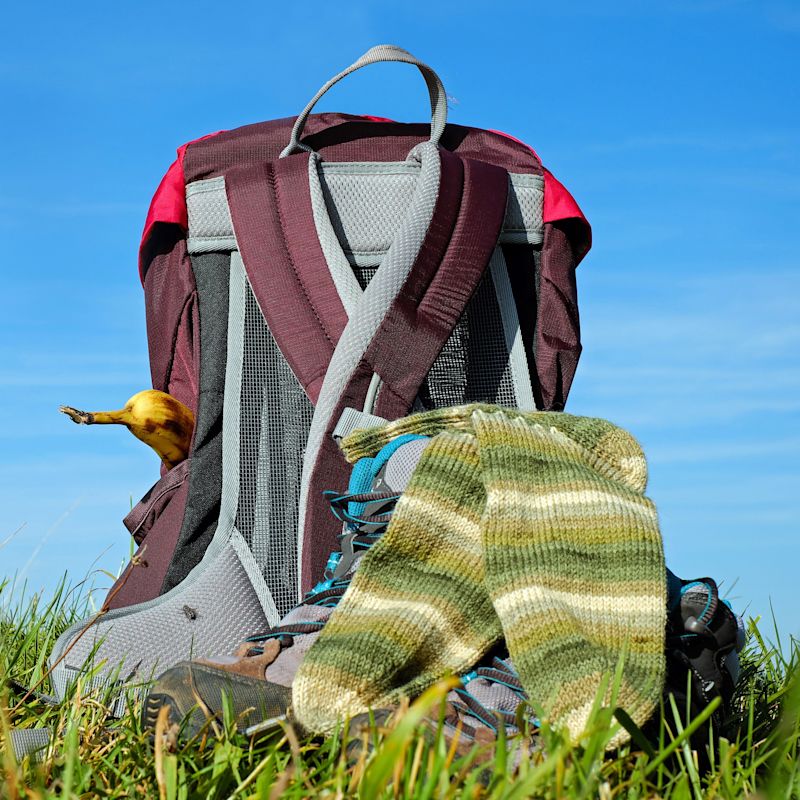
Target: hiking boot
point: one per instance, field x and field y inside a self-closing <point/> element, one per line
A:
<point x="704" y="638"/>
<point x="193" y="692"/>
<point x="489" y="698"/>
<point x="256" y="681"/>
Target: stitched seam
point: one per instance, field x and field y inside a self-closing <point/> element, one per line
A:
<point x="213" y="237"/>
<point x="203" y="186"/>
<point x="170" y="487"/>
<point x="276" y="192"/>
<point x="174" y="342"/>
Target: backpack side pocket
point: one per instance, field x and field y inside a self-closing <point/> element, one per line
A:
<point x="155" y="524"/>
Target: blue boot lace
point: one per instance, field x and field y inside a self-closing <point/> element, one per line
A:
<point x="365" y="516"/>
<point x="498" y="671"/>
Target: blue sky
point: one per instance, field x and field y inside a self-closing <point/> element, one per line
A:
<point x="675" y="125"/>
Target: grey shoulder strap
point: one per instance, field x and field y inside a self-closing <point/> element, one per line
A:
<point x="368" y="315"/>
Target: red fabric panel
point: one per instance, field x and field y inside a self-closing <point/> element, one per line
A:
<point x="463" y="232"/>
<point x="169" y="202"/>
<point x="274" y="225"/>
<point x="559" y="204"/>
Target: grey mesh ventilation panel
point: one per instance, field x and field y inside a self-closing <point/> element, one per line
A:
<point x="474" y="364"/>
<point x="274" y="423"/>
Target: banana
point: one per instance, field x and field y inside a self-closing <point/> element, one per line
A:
<point x="158" y="419"/>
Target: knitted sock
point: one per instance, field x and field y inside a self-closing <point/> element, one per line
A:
<point x="573" y="563"/>
<point x="536" y="518"/>
<point x="416" y="608"/>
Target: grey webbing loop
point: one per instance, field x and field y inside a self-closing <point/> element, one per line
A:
<point x="381" y="52"/>
<point x="352" y="419"/>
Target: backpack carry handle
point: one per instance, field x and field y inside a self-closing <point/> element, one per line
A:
<point x="381" y="52"/>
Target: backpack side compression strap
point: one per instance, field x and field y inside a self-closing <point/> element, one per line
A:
<point x="451" y="261"/>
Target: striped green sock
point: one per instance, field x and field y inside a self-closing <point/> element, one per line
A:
<point x="529" y="526"/>
<point x="416" y="608"/>
<point x="574" y="564"/>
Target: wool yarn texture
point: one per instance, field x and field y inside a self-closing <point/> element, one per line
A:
<point x="531" y="527"/>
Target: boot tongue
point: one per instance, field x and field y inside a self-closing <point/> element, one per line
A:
<point x="396" y="471"/>
<point x="385" y="475"/>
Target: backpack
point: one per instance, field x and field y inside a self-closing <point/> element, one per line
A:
<point x="302" y="277"/>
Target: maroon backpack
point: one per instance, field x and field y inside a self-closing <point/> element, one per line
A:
<point x="303" y="277"/>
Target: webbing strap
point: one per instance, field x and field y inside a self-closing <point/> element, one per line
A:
<point x="454" y="254"/>
<point x="352" y="419"/>
<point x="274" y="226"/>
<point x="428" y="219"/>
<point x="424" y="314"/>
<point x="381" y="52"/>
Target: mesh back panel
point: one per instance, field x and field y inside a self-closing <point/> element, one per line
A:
<point x="275" y="418"/>
<point x="473" y="365"/>
<point x="366" y="214"/>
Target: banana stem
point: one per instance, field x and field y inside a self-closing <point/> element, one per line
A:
<point x="95" y="417"/>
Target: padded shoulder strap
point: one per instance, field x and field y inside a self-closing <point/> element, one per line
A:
<point x="274" y="226"/>
<point x="423" y="315"/>
<point x="406" y="314"/>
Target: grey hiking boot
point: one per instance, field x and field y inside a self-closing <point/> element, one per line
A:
<point x="489" y="698"/>
<point x="256" y="681"/>
<point x="704" y="637"/>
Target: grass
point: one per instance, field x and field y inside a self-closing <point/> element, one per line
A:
<point x="94" y="755"/>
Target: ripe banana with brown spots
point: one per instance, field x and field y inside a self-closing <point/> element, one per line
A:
<point x="158" y="419"/>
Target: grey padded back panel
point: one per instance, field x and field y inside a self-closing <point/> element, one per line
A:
<point x="207" y="616"/>
<point x="366" y="203"/>
<point x="210" y="223"/>
<point x="366" y="213"/>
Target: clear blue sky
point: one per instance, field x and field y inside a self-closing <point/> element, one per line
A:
<point x="675" y="125"/>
